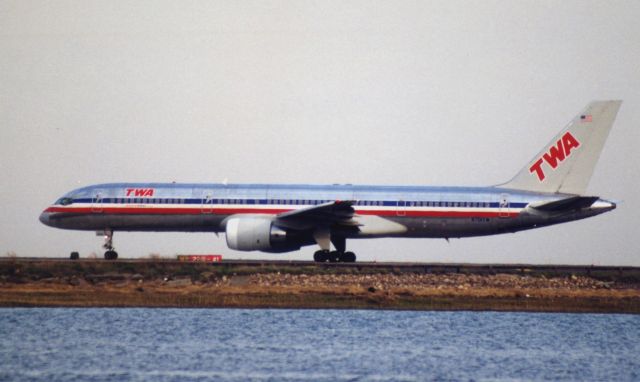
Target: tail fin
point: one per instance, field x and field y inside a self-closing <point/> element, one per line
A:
<point x="566" y="164"/>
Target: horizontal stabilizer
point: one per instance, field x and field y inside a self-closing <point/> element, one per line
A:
<point x="568" y="204"/>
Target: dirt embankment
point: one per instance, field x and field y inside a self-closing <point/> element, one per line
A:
<point x="157" y="284"/>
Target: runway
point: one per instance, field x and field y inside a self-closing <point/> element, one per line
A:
<point x="304" y="284"/>
<point x="374" y="267"/>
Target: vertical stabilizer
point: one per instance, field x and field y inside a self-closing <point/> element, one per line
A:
<point x="566" y="164"/>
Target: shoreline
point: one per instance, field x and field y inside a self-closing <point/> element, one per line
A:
<point x="151" y="283"/>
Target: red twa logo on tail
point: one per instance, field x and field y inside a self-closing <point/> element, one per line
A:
<point x="556" y="154"/>
<point x="140" y="192"/>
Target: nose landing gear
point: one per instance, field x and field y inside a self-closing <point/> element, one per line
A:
<point x="110" y="254"/>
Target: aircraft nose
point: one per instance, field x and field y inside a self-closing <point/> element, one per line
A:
<point x="44" y="218"/>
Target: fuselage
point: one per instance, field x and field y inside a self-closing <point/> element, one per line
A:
<point x="405" y="211"/>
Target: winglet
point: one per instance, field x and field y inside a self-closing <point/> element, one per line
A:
<point x="566" y="164"/>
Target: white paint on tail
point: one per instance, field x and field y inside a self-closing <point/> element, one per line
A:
<point x="566" y="164"/>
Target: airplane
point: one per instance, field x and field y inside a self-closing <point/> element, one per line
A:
<point x="278" y="218"/>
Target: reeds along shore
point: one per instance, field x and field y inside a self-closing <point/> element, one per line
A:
<point x="171" y="284"/>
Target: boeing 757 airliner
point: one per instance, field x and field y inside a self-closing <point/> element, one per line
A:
<point x="280" y="218"/>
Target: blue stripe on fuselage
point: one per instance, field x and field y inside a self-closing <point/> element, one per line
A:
<point x="302" y="202"/>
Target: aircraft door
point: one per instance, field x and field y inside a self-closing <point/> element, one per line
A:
<point x="401" y="210"/>
<point x="97" y="205"/>
<point x="207" y="202"/>
<point x="503" y="206"/>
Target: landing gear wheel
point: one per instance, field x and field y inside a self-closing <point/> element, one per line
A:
<point x="335" y="257"/>
<point x="111" y="255"/>
<point x="348" y="257"/>
<point x="321" y="256"/>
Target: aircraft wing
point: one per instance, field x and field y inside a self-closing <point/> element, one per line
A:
<point x="329" y="214"/>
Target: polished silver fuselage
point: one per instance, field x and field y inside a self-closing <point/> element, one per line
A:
<point x="381" y="211"/>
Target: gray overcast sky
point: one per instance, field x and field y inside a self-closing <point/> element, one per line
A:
<point x="392" y="92"/>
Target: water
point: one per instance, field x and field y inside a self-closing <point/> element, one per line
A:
<point x="316" y="345"/>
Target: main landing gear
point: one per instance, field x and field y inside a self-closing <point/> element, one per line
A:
<point x="110" y="254"/>
<point x="324" y="256"/>
<point x="324" y="239"/>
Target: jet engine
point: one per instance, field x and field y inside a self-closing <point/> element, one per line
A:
<point x="256" y="233"/>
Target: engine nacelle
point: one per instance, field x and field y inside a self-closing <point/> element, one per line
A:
<point x="254" y="234"/>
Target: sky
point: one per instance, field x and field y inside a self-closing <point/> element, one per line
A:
<point x="455" y="93"/>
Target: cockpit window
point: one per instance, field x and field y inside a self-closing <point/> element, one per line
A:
<point x="64" y="201"/>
